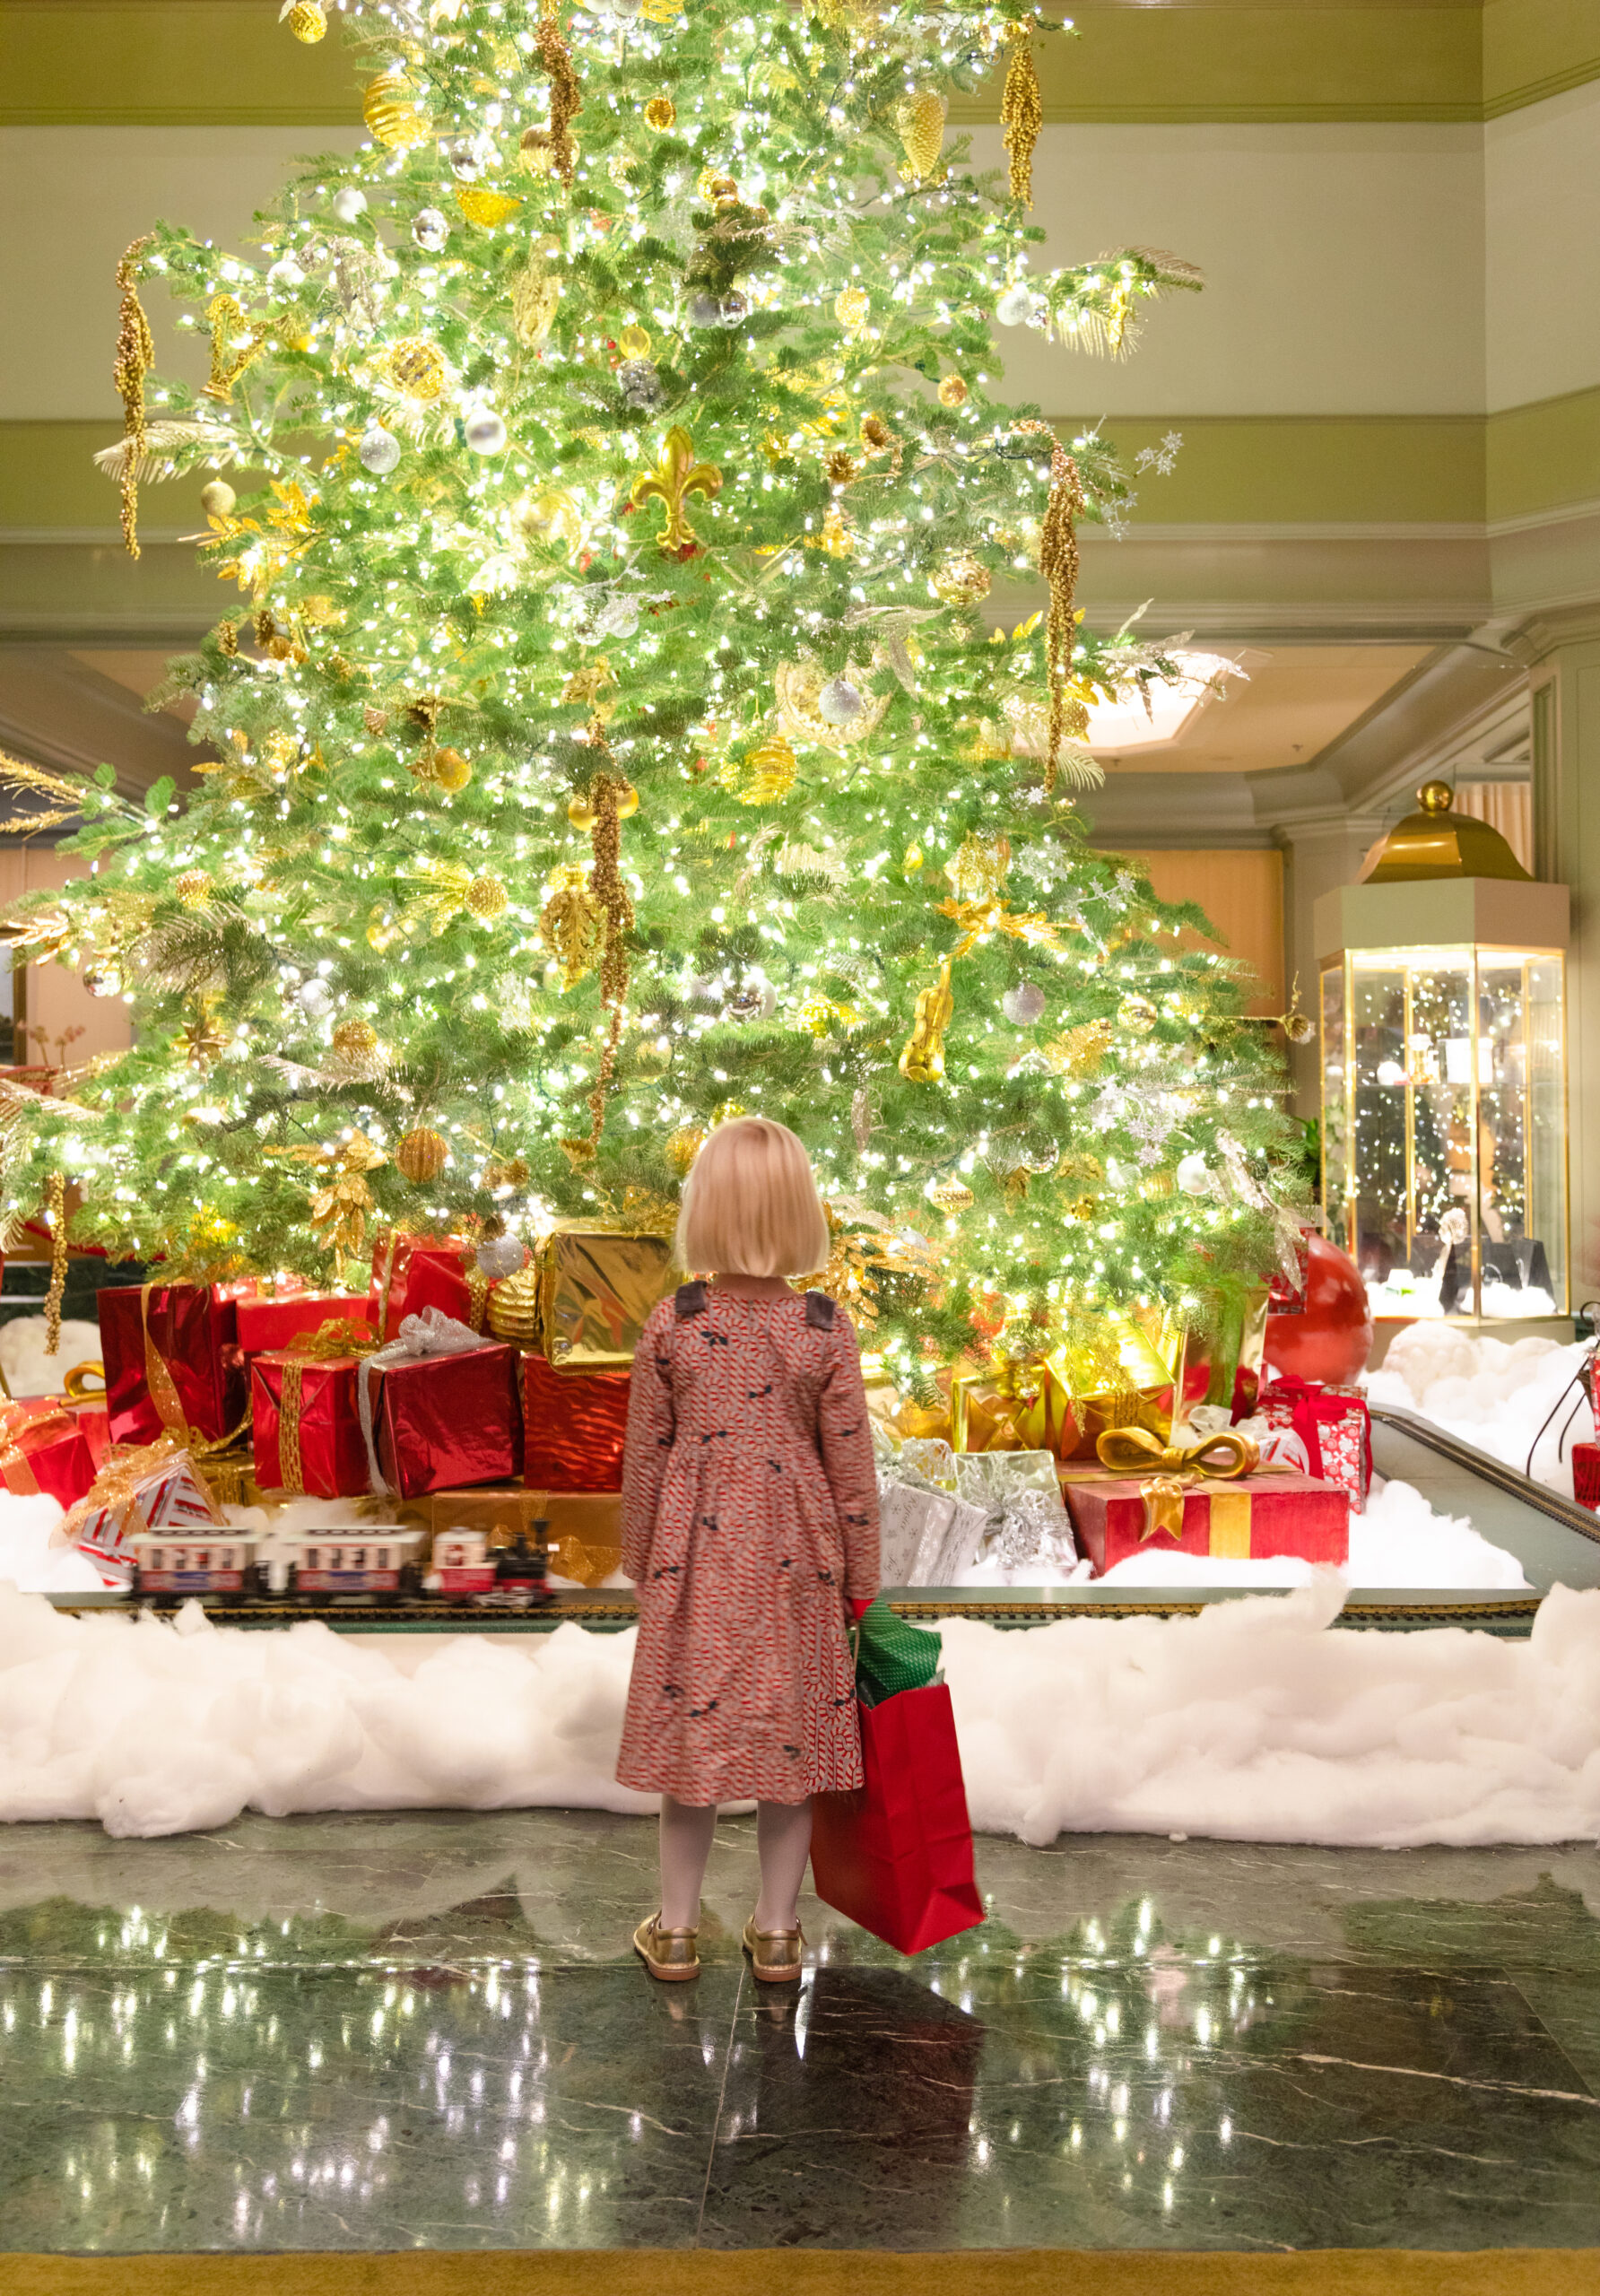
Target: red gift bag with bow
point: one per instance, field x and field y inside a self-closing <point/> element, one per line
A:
<point x="895" y="1856"/>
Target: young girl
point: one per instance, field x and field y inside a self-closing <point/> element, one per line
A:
<point x="750" y="1526"/>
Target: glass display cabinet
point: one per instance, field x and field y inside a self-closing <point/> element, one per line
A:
<point x="1444" y="1083"/>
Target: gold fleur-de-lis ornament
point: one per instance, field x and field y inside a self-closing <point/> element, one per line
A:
<point x="677" y="476"/>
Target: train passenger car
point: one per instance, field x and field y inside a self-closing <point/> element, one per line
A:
<point x="214" y="1560"/>
<point x="461" y="1563"/>
<point x="366" y="1559"/>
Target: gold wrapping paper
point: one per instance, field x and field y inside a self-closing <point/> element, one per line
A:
<point x="596" y="1289"/>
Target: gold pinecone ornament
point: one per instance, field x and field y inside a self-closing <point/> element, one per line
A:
<point x="919" y="123"/>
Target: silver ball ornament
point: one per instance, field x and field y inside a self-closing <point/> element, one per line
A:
<point x="350" y="205"/>
<point x="430" y="229"/>
<point x="485" y="432"/>
<point x="1193" y="1176"/>
<point x="641" y="387"/>
<point x="379" y="450"/>
<point x="839" y="703"/>
<point x="1015" y="307"/>
<point x="500" y="1257"/>
<point x="1025" y="1004"/>
<point x="466" y="157"/>
<point x="314" y="996"/>
<point x="285" y="273"/>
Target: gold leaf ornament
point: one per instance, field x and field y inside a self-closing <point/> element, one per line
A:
<point x="342" y="1200"/>
<point x="570" y="924"/>
<point x="677" y="476"/>
<point x="535" y="299"/>
<point x="922" y="1056"/>
<point x="485" y="207"/>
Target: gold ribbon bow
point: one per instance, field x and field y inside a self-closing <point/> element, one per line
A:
<point x="1171" y="1469"/>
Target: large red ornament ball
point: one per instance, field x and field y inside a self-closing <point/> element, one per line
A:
<point x="1329" y="1338"/>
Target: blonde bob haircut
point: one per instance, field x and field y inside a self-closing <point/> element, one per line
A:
<point x="751" y="1205"/>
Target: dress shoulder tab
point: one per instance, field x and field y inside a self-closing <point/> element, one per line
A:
<point x="819" y="1311"/>
<point x="690" y="1300"/>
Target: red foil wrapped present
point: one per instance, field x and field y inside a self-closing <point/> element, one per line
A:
<point x="1194" y="1501"/>
<point x="46" y="1451"/>
<point x="442" y="1421"/>
<point x="269" y="1327"/>
<point x="1335" y="1427"/>
<point x="574" y="1423"/>
<point x="306" y="1425"/>
<point x="410" y="1273"/>
<point x="1586" y="1476"/>
<point x="173" y="1361"/>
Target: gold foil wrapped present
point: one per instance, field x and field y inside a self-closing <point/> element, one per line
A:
<point x="596" y="1289"/>
<point x="1115" y="1375"/>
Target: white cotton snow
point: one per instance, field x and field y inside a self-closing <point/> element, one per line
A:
<point x="1259" y="1720"/>
<point x="28" y="1370"/>
<point x="1398" y="1542"/>
<point x="1495" y="1394"/>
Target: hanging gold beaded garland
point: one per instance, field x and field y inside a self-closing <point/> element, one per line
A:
<point x="136" y="355"/>
<point x="609" y="795"/>
<point x="1059" y="563"/>
<point x="57" y="1291"/>
<point x="1021" y="111"/>
<point x="566" y="96"/>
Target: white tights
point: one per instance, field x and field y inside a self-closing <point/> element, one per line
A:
<point x="782" y="1840"/>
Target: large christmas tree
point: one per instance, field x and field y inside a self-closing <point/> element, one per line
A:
<point x="607" y="731"/>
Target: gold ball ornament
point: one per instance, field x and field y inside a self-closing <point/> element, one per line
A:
<point x="451" y="770"/>
<point x="217" y="498"/>
<point x="421" y="1156"/>
<point x="682" y="1146"/>
<point x="634" y="342"/>
<point x="852" y="307"/>
<point x="1136" y="1016"/>
<point x="661" y="113"/>
<point x="307" y="20"/>
<point x="963" y="580"/>
<point x="580" y="812"/>
<point x="512" y="1312"/>
<point x="951" y="1197"/>
<point x="418" y="368"/>
<point x="355" y="1040"/>
<point x="487" y="899"/>
<point x="392" y="111"/>
<point x="193" y="889"/>
<point x="952" y="391"/>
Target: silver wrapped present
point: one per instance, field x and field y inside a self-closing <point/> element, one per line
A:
<point x="1025" y="1517"/>
<point x="928" y="1533"/>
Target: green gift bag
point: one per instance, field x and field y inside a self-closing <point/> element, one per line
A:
<point x="892" y="1656"/>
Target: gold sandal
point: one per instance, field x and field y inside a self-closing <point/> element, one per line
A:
<point x="774" y="1953"/>
<point x="669" y="1955"/>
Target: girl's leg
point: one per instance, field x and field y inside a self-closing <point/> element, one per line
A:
<point x="686" y="1831"/>
<point x="783" y="1838"/>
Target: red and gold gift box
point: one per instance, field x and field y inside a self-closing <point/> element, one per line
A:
<point x="442" y="1420"/>
<point x="412" y="1273"/>
<point x="575" y="1424"/>
<point x="46" y="1451"/>
<point x="1241" y="1519"/>
<point x="173" y="1361"/>
<point x="306" y="1425"/>
<point x="272" y="1326"/>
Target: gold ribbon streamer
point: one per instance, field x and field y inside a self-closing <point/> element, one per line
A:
<point x="57" y="1291"/>
<point x="115" y="1487"/>
<point x="338" y="1336"/>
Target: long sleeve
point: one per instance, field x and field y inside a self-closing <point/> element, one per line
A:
<point x="844" y="1437"/>
<point x="652" y="1424"/>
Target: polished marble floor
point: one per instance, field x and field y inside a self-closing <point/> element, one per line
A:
<point x="425" y="2029"/>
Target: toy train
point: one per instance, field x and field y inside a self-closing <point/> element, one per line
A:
<point x="375" y="1562"/>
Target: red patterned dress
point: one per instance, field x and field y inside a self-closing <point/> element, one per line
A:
<point x="749" y="1512"/>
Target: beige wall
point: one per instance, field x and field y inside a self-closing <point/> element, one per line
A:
<point x="1242" y="894"/>
<point x="57" y="999"/>
<point x="1543" y="249"/>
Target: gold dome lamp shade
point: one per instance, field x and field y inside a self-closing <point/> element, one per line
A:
<point x="1435" y="841"/>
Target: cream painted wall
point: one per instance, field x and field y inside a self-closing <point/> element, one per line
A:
<point x="1344" y="264"/>
<point x="1343" y="267"/>
<point x="1542" y="183"/>
<point x="57" y="999"/>
<point x="86" y="192"/>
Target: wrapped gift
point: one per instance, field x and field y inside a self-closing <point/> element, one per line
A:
<point x="173" y="1362"/>
<point x="46" y="1451"/>
<point x="1106" y="1375"/>
<point x="156" y="1487"/>
<point x="1586" y="1476"/>
<point x="1209" y="1499"/>
<point x="596" y="1289"/>
<point x="574" y="1423"/>
<point x="272" y="1325"/>
<point x="439" y="1408"/>
<point x="1018" y="1494"/>
<point x="411" y="1273"/>
<point x="305" y="1423"/>
<point x="1334" y="1426"/>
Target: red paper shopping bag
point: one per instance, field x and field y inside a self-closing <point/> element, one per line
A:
<point x="896" y="1855"/>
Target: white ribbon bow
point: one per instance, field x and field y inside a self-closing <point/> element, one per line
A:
<point x="432" y="1332"/>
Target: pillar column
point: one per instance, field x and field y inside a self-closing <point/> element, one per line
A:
<point x="1562" y="653"/>
<point x="1320" y="853"/>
